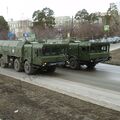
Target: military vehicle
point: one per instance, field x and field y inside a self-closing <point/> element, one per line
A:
<point x="30" y="56"/>
<point x="86" y="53"/>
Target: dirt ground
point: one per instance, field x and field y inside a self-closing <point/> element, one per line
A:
<point x="23" y="101"/>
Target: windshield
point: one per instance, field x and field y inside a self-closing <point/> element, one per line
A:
<point x="103" y="48"/>
<point x="52" y="51"/>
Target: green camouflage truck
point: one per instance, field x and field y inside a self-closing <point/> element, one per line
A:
<point x="86" y="53"/>
<point x="30" y="56"/>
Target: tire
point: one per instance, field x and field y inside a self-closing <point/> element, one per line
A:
<point x="74" y="64"/>
<point x="28" y="68"/>
<point x="65" y="65"/>
<point x="2" y="63"/>
<point x="17" y="65"/>
<point x="51" y="69"/>
<point x="91" y="66"/>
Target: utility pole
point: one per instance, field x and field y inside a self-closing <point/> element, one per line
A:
<point x="72" y="28"/>
<point x="7" y="13"/>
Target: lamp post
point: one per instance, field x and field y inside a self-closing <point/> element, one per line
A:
<point x="107" y="24"/>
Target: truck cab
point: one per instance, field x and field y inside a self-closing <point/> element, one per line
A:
<point x="31" y="56"/>
<point x="44" y="56"/>
<point x="87" y="53"/>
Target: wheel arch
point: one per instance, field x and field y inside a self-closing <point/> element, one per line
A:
<point x="73" y="57"/>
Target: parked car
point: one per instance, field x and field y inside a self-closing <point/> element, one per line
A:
<point x="116" y="39"/>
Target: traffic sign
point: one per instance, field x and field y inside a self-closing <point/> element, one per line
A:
<point x="10" y="35"/>
<point x="106" y="27"/>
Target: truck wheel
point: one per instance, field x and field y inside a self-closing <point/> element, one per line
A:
<point x="51" y="69"/>
<point x="17" y="65"/>
<point x="91" y="65"/>
<point x="65" y="65"/>
<point x="28" y="68"/>
<point x="74" y="64"/>
<point x="2" y="63"/>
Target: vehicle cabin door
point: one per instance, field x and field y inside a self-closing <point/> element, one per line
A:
<point x="28" y="52"/>
<point x="73" y="50"/>
<point x="37" y="54"/>
<point x="83" y="52"/>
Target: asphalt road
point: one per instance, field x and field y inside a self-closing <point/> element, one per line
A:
<point x="103" y="76"/>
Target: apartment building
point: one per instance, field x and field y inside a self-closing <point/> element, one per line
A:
<point x="20" y="27"/>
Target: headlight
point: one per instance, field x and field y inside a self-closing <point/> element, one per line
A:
<point x="44" y="64"/>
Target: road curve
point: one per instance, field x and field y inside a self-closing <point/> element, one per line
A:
<point x="114" y="46"/>
<point x="103" y="76"/>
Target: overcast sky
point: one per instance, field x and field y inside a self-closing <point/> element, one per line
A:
<point x="23" y="9"/>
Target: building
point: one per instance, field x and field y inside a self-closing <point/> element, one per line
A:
<point x="62" y="20"/>
<point x="19" y="27"/>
